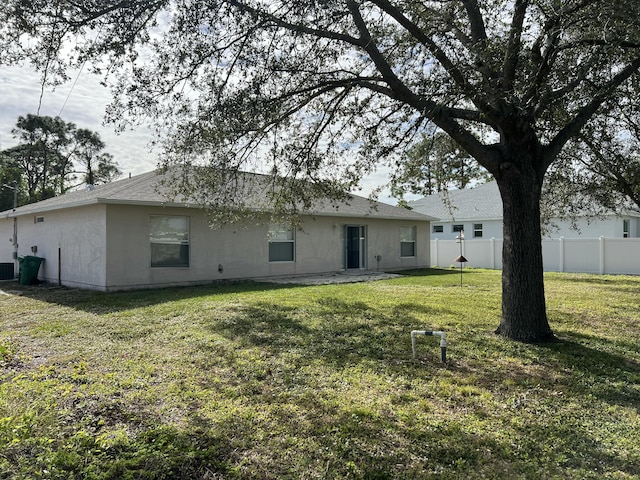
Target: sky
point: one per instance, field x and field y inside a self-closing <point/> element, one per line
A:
<point x="85" y="105"/>
<point x="83" y="101"/>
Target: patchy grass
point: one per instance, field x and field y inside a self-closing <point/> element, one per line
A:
<point x="247" y="380"/>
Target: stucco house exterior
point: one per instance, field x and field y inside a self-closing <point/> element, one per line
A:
<point x="127" y="235"/>
<point x="478" y="211"/>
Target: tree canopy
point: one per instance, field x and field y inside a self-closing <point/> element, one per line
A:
<point x="53" y="156"/>
<point x="600" y="170"/>
<point x="436" y="163"/>
<point x="332" y="89"/>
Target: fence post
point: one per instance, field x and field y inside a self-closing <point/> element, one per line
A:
<point x="561" y="260"/>
<point x="435" y="251"/>
<point x="601" y="255"/>
<point x="492" y="245"/>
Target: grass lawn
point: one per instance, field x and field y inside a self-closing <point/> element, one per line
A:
<point x="249" y="380"/>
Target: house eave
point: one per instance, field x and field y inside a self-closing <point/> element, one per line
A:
<point x="149" y="203"/>
<point x="167" y="204"/>
<point x="373" y="216"/>
<point x="92" y="201"/>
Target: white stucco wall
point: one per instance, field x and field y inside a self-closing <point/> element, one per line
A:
<point x="610" y="227"/>
<point x="72" y="238"/>
<point x="490" y="229"/>
<point x="242" y="251"/>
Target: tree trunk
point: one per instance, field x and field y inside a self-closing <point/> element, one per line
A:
<point x="524" y="316"/>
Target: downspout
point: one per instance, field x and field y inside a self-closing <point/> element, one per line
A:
<point x="15" y="244"/>
<point x="434" y="333"/>
<point x="15" y="229"/>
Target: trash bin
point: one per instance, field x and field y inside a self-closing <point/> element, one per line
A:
<point x="29" y="267"/>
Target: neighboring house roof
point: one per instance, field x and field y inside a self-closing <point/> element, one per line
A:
<point x="479" y="203"/>
<point x="145" y="190"/>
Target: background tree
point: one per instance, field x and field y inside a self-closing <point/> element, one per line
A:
<point x="51" y="154"/>
<point x="9" y="173"/>
<point x="310" y="85"/>
<point x="435" y="164"/>
<point x="39" y="156"/>
<point x="93" y="166"/>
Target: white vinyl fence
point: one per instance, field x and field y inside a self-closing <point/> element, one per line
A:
<point x="579" y="255"/>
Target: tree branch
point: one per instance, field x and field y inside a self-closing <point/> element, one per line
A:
<point x="514" y="44"/>
<point x="586" y="112"/>
<point x="296" y="27"/>
<point x="419" y="35"/>
<point x="478" y="31"/>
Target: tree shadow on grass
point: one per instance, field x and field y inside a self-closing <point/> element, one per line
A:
<point x="261" y="324"/>
<point x="621" y="283"/>
<point x="96" y="302"/>
<point x="272" y="437"/>
<point x="339" y="332"/>
<point x="429" y="272"/>
<point x="610" y="377"/>
<point x="567" y="364"/>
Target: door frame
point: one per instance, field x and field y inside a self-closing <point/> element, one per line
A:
<point x="361" y="246"/>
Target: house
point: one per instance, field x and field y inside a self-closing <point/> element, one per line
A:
<point x="478" y="211"/>
<point x="128" y="235"/>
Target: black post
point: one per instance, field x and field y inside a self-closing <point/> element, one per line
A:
<point x="15" y="195"/>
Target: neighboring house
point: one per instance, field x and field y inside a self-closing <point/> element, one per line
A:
<point x="126" y="235"/>
<point x="478" y="211"/>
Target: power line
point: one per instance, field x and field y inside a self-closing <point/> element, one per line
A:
<point x="72" y="87"/>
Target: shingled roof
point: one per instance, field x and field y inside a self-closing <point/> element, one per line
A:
<point x="479" y="203"/>
<point x="146" y="189"/>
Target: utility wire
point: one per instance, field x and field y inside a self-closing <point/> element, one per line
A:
<point x="44" y="80"/>
<point x="72" y="87"/>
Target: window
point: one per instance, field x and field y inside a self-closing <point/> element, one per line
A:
<point x="438" y="229"/>
<point x="407" y="241"/>
<point x="169" y="238"/>
<point x="625" y="228"/>
<point x="282" y="244"/>
<point x="38" y="219"/>
<point x="477" y="230"/>
<point x="457" y="228"/>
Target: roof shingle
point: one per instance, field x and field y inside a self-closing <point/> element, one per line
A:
<point x="479" y="203"/>
<point x="145" y="189"/>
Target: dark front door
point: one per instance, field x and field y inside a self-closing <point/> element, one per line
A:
<point x="355" y="246"/>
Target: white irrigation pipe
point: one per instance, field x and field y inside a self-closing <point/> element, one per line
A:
<point x="443" y="341"/>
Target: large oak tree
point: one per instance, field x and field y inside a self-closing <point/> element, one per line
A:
<point x="329" y="87"/>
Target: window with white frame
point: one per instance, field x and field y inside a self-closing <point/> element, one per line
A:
<point x="438" y="228"/>
<point x="169" y="239"/>
<point x="457" y="227"/>
<point x="625" y="228"/>
<point x="282" y="243"/>
<point x="477" y="230"/>
<point x="407" y="241"/>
